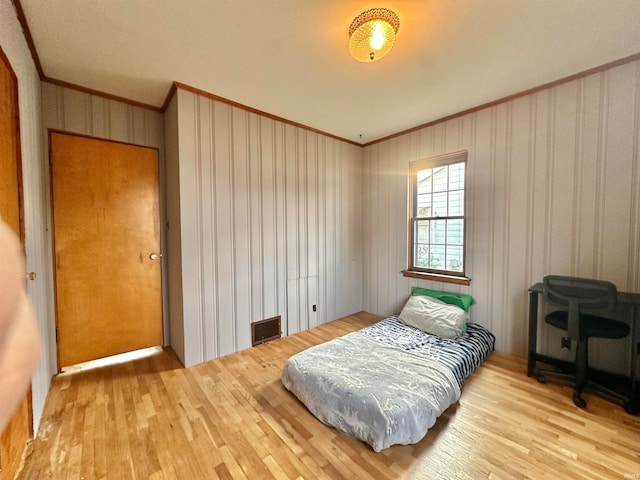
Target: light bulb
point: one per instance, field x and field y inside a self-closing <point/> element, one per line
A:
<point x="377" y="39"/>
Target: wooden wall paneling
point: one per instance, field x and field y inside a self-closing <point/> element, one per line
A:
<point x="617" y="207"/>
<point x="391" y="233"/>
<point x="332" y="162"/>
<point x="501" y="166"/>
<point x="342" y="202"/>
<point x="312" y="227"/>
<point x="138" y="125"/>
<point x="75" y="111"/>
<point x="312" y="299"/>
<point x="618" y="175"/>
<point x="542" y="179"/>
<point x="338" y="203"/>
<point x="206" y="240"/>
<point x="293" y="306"/>
<point x="324" y="146"/>
<point x="634" y="273"/>
<point x="120" y="119"/>
<point x="281" y="221"/>
<point x="255" y="217"/>
<point x="398" y="180"/>
<point x="353" y="302"/>
<point x="194" y="338"/>
<point x="482" y="213"/>
<point x="241" y="231"/>
<point x="311" y="201"/>
<point x="302" y="302"/>
<point x="302" y="230"/>
<point x="516" y="300"/>
<point x="468" y="143"/>
<point x="174" y="233"/>
<point x="345" y="202"/>
<point x="382" y="233"/>
<point x="589" y="140"/>
<point x="282" y="186"/>
<point x="368" y="222"/>
<point x="563" y="181"/>
<point x="224" y="328"/>
<point x="370" y="205"/>
<point x="99" y="112"/>
<point x="291" y="230"/>
<point x="268" y="214"/>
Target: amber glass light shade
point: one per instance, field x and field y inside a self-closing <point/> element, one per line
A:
<point x="372" y="34"/>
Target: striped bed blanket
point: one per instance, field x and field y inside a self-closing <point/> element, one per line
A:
<point x="462" y="355"/>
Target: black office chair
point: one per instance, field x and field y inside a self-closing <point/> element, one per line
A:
<point x="580" y="301"/>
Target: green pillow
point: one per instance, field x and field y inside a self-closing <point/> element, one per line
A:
<point x="462" y="300"/>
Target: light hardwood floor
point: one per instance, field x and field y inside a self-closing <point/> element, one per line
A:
<point x="231" y="418"/>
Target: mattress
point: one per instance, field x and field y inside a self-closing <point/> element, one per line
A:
<point x="387" y="383"/>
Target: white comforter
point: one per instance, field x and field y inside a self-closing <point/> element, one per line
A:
<point x="371" y="391"/>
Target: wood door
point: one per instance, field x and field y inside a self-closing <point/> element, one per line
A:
<point x="15" y="436"/>
<point x="107" y="247"/>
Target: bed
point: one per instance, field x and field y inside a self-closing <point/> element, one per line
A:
<point x="387" y="383"/>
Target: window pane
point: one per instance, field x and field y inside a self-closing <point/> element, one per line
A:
<point x="437" y="257"/>
<point x="438" y="231"/>
<point x="455" y="232"/>
<point x="422" y="231"/>
<point x="424" y="205"/>
<point x="439" y="205"/>
<point x="440" y="179"/>
<point x="422" y="255"/>
<point x="456" y="203"/>
<point x="454" y="258"/>
<point x="424" y="181"/>
<point x="456" y="176"/>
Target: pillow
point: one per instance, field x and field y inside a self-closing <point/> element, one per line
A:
<point x="462" y="300"/>
<point x="434" y="316"/>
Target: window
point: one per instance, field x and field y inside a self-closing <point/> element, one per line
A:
<point x="438" y="215"/>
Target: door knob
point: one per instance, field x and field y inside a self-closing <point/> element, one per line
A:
<point x="30" y="275"/>
<point x="155" y="256"/>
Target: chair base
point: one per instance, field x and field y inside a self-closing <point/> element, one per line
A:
<point x="592" y="387"/>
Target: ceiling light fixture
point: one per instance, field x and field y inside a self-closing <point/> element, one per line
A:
<point x="372" y="34"/>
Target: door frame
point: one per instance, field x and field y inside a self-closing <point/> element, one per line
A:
<point x="164" y="312"/>
<point x="21" y="218"/>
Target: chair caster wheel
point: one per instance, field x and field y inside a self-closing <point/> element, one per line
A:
<point x="541" y="378"/>
<point x="578" y="401"/>
<point x="632" y="408"/>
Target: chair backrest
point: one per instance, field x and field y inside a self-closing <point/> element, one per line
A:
<point x="579" y="295"/>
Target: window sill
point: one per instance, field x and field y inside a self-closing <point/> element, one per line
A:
<point x="437" y="277"/>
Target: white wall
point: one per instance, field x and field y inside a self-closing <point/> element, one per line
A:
<point x="270" y="222"/>
<point x="174" y="246"/>
<point x="35" y="198"/>
<point x="554" y="187"/>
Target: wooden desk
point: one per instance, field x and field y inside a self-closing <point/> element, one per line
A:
<point x="624" y="298"/>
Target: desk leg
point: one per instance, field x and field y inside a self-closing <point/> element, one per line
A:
<point x="635" y="321"/>
<point x="533" y="332"/>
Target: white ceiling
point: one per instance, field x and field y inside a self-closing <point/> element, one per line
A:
<point x="290" y="58"/>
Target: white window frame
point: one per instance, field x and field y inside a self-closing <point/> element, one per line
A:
<point x="414" y="168"/>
